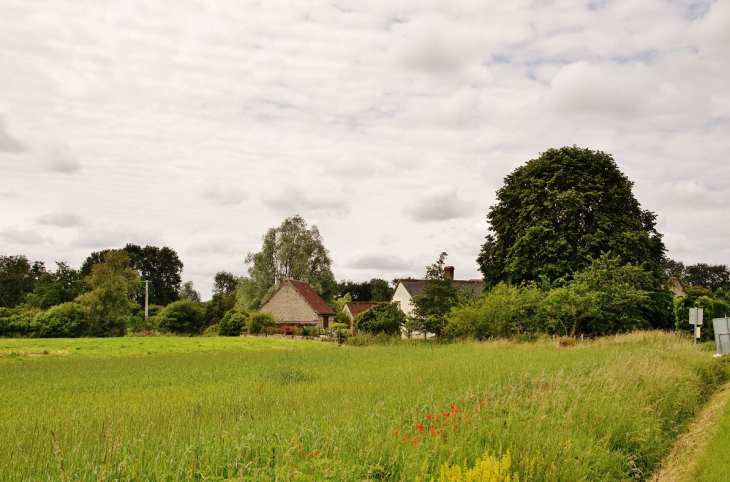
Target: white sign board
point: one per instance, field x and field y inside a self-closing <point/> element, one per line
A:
<point x="695" y="316"/>
<point x="722" y="334"/>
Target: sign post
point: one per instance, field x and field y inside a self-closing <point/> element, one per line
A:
<point x="695" y="319"/>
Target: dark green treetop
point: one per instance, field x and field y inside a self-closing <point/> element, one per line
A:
<point x="558" y="211"/>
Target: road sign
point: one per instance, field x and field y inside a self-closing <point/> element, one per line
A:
<point x="695" y="316"/>
<point x="722" y="334"/>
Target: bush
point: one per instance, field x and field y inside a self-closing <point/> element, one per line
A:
<point x="504" y="311"/>
<point x="182" y="317"/>
<point x="383" y="318"/>
<point x="66" y="320"/>
<point x="259" y="321"/>
<point x="212" y="330"/>
<point x="233" y="323"/>
<point x="16" y="322"/>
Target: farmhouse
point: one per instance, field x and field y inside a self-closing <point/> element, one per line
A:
<point x="406" y="289"/>
<point x="296" y="303"/>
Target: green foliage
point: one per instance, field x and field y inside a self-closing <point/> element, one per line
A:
<point x="66" y="320"/>
<point x="502" y="312"/>
<point x="17" y="322"/>
<point x="17" y="278"/>
<point x="374" y="290"/>
<point x="183" y="317"/>
<point x="622" y="292"/>
<point x="568" y="308"/>
<point x="259" y="321"/>
<point x="557" y="211"/>
<point x="233" y="323"/>
<point x="218" y="306"/>
<point x="681" y="314"/>
<point x="212" y="330"/>
<point x="292" y="250"/>
<point x="188" y="292"/>
<point x="384" y="318"/>
<point x="109" y="303"/>
<point x="711" y="276"/>
<point x="225" y="283"/>
<point x="54" y="288"/>
<point x="439" y="296"/>
<point x="160" y="266"/>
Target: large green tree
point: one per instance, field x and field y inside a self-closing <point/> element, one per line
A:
<point x="558" y="211"/>
<point x="110" y="303"/>
<point x="292" y="250"/>
<point x="18" y="277"/>
<point x="160" y="266"/>
<point x="56" y="287"/>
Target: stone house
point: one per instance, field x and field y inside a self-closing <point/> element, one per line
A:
<point x="296" y="303"/>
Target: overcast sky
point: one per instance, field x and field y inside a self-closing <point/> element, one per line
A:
<point x="389" y="124"/>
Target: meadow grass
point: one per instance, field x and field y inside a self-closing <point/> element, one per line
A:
<point x="714" y="463"/>
<point x="262" y="409"/>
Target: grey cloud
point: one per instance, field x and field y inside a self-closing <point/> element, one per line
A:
<point x="380" y="261"/>
<point x="225" y="196"/>
<point x="58" y="157"/>
<point x="25" y="237"/>
<point x="109" y="237"/>
<point x="8" y="143"/>
<point x="439" y="206"/>
<point x="296" y="200"/>
<point x="61" y="219"/>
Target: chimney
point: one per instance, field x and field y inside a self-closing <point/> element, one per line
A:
<point x="449" y="272"/>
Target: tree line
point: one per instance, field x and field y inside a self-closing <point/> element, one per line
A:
<point x="570" y="251"/>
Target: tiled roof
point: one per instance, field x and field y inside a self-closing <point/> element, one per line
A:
<point x="415" y="286"/>
<point x="357" y="307"/>
<point x="311" y="297"/>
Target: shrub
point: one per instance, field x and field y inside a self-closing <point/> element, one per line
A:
<point x="383" y="318"/>
<point x="504" y="311"/>
<point x="182" y="317"/>
<point x="212" y="330"/>
<point x="17" y="321"/>
<point x="259" y="321"/>
<point x="367" y="339"/>
<point x="66" y="320"/>
<point x="233" y="323"/>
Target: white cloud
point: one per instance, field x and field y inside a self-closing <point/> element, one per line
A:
<point x="8" y="143"/>
<point x="377" y="260"/>
<point x="225" y="196"/>
<point x="57" y="156"/>
<point x="60" y="219"/>
<point x="296" y="200"/>
<point x="343" y="113"/>
<point x="23" y="237"/>
<point x="439" y="206"/>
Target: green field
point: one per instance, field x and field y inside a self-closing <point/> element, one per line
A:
<point x="261" y="409"/>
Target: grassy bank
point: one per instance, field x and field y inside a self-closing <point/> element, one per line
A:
<point x="605" y="410"/>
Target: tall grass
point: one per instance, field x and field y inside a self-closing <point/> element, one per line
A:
<point x="605" y="410"/>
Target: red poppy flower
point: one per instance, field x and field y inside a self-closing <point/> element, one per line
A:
<point x="431" y="417"/>
<point x="396" y="432"/>
<point x="416" y="440"/>
<point x="419" y="426"/>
